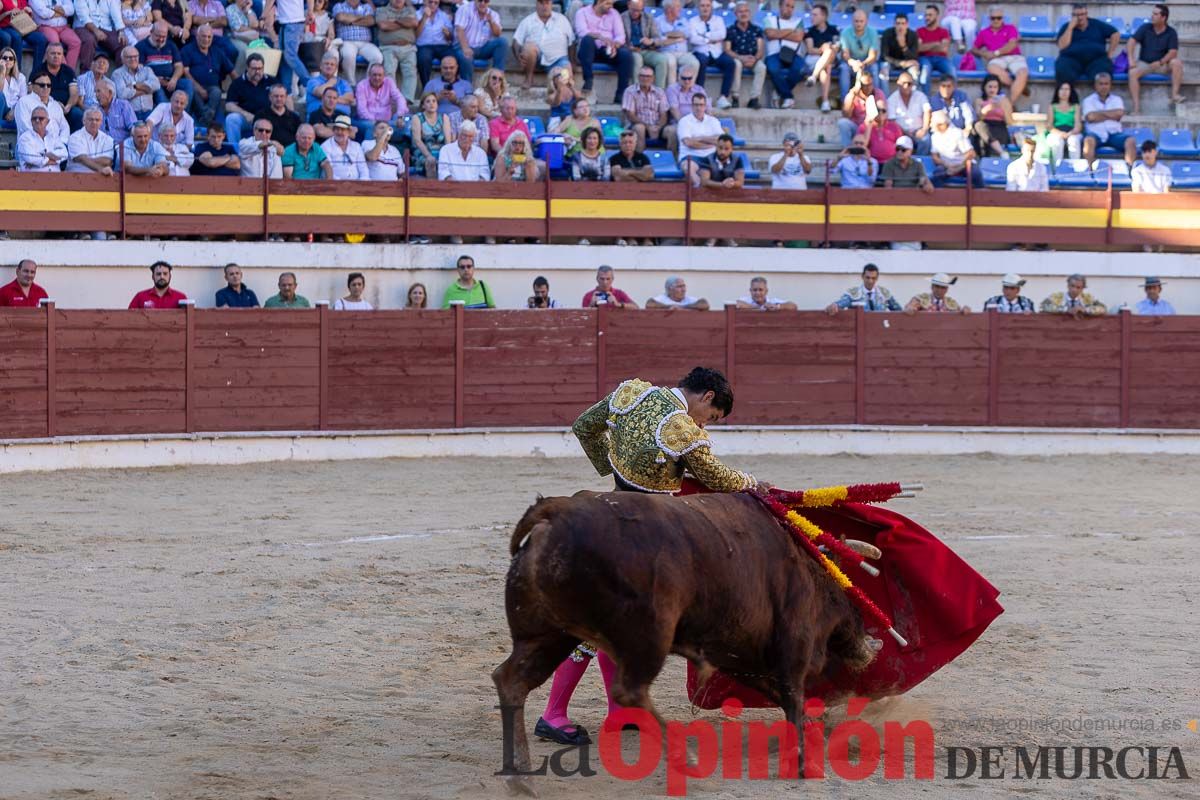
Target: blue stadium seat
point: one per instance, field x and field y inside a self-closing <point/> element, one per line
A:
<point x="1063" y="19"/>
<point x="899" y="6"/>
<point x="1032" y="26"/>
<point x="971" y="74"/>
<point x="1136" y="23"/>
<point x="1073" y="172"/>
<point x="1177" y="142"/>
<point x="881" y="22"/>
<point x="655" y="12"/>
<point x="727" y="16"/>
<point x="688" y="13"/>
<point x="1139" y="135"/>
<point x="1041" y="68"/>
<point x="1153" y="78"/>
<point x="1185" y="174"/>
<point x="842" y="19"/>
<point x="751" y="173"/>
<point x="607" y="124"/>
<point x="535" y="125"/>
<point x="1119" y="170"/>
<point x="1119" y="24"/>
<point x="730" y="126"/>
<point x="995" y="171"/>
<point x="761" y="16"/>
<point x="665" y="166"/>
<point x="929" y="165"/>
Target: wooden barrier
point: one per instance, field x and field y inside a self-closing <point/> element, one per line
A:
<point x="144" y="371"/>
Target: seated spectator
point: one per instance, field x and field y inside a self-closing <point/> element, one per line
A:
<point x="995" y="114"/>
<point x="429" y="133"/>
<point x="136" y="83"/>
<point x="882" y="135"/>
<point x="397" y="26"/>
<point x="235" y="294"/>
<point x="1064" y="124"/>
<point x="249" y="96"/>
<point x="178" y="17"/>
<point x="160" y="295"/>
<point x="206" y="66"/>
<point x="1153" y="305"/>
<point x="64" y="85"/>
<point x="937" y="300"/>
<point x="760" y="300"/>
<point x="378" y="99"/>
<point x="88" y="80"/>
<point x="789" y="167"/>
<point x="417" y="297"/>
<point x="960" y="21"/>
<point x="645" y="108"/>
<point x="303" y="161"/>
<point x="1026" y="173"/>
<point x="561" y="96"/>
<point x="630" y="163"/>
<point x="323" y="118"/>
<point x="142" y="155"/>
<point x="244" y="26"/>
<point x="901" y="48"/>
<point x="859" y="51"/>
<point x="384" y="162"/>
<point x="997" y="46"/>
<point x="902" y="171"/>
<point x="23" y="292"/>
<point x="40" y="149"/>
<point x="954" y="102"/>
<point x="212" y="13"/>
<point x="1102" y="114"/>
<point x="480" y="36"/>
<point x="326" y="78"/>
<point x="492" y="86"/>
<point x="91" y="150"/>
<point x="1074" y="301"/>
<point x="98" y="25"/>
<point x="605" y="294"/>
<point x="1010" y="301"/>
<point x="722" y="169"/>
<point x="161" y="55"/>
<point x="354" y="300"/>
<point x="504" y="125"/>
<point x="934" y="47"/>
<point x="39" y="97"/>
<point x="860" y="103"/>
<point x="698" y="134"/>
<point x="287" y="296"/>
<point x="643" y="39"/>
<point x="435" y="39"/>
<point x="1158" y="54"/>
<point x="909" y="108"/>
<point x="602" y="38"/>
<point x="179" y="156"/>
<point x="354" y="21"/>
<point x="679" y="104"/>
<point x="821" y="41"/>
<point x="119" y="116"/>
<point x="676" y="296"/>
<point x="13" y="85"/>
<point x="543" y="39"/>
<point x="672" y="43"/>
<point x="447" y="86"/>
<point x="462" y="160"/>
<point x="541" y="295"/>
<point x="1150" y="176"/>
<point x="591" y="162"/>
<point x="53" y="18"/>
<point x="784" y="33"/>
<point x="952" y="153"/>
<point x="869" y="295"/>
<point x="216" y="156"/>
<point x="572" y="127"/>
<point x="515" y="162"/>
<point x="345" y="155"/>
<point x="253" y="150"/>
<point x="283" y="120"/>
<point x="472" y="292"/>
<point x="1085" y="47"/>
<point x="855" y="166"/>
<point x="746" y="44"/>
<point x="174" y="114"/>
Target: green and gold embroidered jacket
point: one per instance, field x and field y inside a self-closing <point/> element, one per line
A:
<point x="643" y="433"/>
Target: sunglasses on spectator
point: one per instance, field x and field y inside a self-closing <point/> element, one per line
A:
<point x="999" y="17"/>
<point x="42" y="85"/>
<point x="6" y="58"/>
<point x="687" y="77"/>
<point x="39" y="119"/>
<point x="262" y="130"/>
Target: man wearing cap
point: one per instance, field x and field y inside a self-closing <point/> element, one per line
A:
<point x="1074" y="301"/>
<point x="345" y="155"/>
<point x="869" y="295"/>
<point x="1011" y="301"/>
<point x="937" y="298"/>
<point x="902" y="171"/>
<point x="1153" y="306"/>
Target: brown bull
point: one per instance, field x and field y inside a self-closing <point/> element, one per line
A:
<point x="711" y="577"/>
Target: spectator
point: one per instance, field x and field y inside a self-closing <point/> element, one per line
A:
<point x="746" y="44"/>
<point x="98" y="23"/>
<point x="449" y="88"/>
<point x="249" y="96"/>
<point x="1102" y="113"/>
<point x="327" y="77"/>
<point x="591" y="162"/>
<point x="212" y="13"/>
<point x="492" y="86"/>
<point x="1027" y="174"/>
<point x="1074" y="301"/>
<point x="934" y="47"/>
<point x="323" y="118"/>
<point x="142" y="155"/>
<point x="138" y="19"/>
<point x="679" y="103"/>
<point x="318" y="37"/>
<point x="901" y="48"/>
<point x="760" y="300"/>
<point x="291" y="16"/>
<point x="287" y="296"/>
<point x="161" y="295"/>
<point x="602" y="38"/>
<point x="353" y="301"/>
<point x="909" y="108"/>
<point x="91" y="150"/>
<point x="397" y="26"/>
<point x="995" y="114"/>
<point x="960" y="20"/>
<point x="13" y="85"/>
<point x="541" y="295"/>
<point x="353" y="21"/>
<point x="1158" y="55"/>
<point x="882" y="135"/>
<point x="179" y="156"/>
<point x="506" y="124"/>
<point x="676" y="296"/>
<point x="821" y="40"/>
<point x="789" y="167"/>
<point x="136" y="83"/>
<point x="174" y="114"/>
<point x="952" y="153"/>
<point x="162" y="57"/>
<point x="955" y="103"/>
<point x="722" y="169"/>
<point x="785" y="63"/>
<point x="53" y="18"/>
<point x="462" y="160"/>
<point x="119" y="116"/>
<point x="572" y="127"/>
<point x="235" y="294"/>
<point x="1151" y="176"/>
<point x="1085" y="47"/>
<point x="937" y="300"/>
<point x="23" y="292"/>
<point x="645" y="107"/>
<point x="40" y="149"/>
<point x="417" y="297"/>
<point x="64" y="86"/>
<point x="869" y="295"/>
<point x="1153" y="305"/>
<point x="384" y="162"/>
<point x="471" y="292"/>
<point x="429" y="132"/>
<point x="39" y="97"/>
<point x="855" y="166"/>
<point x="903" y="171"/>
<point x="435" y="39"/>
<point x="674" y="29"/>
<point x="859" y="51"/>
<point x="1010" y="301"/>
<point x="480" y="36"/>
<point x="515" y="162"/>
<point x="206" y="67"/>
<point x="996" y="46"/>
<point x="216" y="156"/>
<point x="345" y="155"/>
<point x="860" y="104"/>
<point x="302" y="161"/>
<point x="1064" y="124"/>
<point x="178" y="17"/>
<point x="605" y="294"/>
<point x="698" y="134"/>
<point x="630" y="163"/>
<point x="283" y="120"/>
<point x="543" y="39"/>
<point x="378" y="99"/>
<point x="643" y="40"/>
<point x="468" y="110"/>
<point x="254" y="149"/>
<point x="244" y="27"/>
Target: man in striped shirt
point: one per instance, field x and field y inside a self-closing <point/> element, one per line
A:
<point x="477" y="28"/>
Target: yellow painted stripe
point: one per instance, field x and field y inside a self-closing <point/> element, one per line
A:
<point x="587" y="208"/>
<point x="93" y="202"/>
<point x="897" y="215"/>
<point x="1040" y="217"/>
<point x="336" y="206"/>
<point x="477" y="208"/>
<point x="1167" y="218"/>
<point x="229" y="205"/>
<point x="758" y="212"/>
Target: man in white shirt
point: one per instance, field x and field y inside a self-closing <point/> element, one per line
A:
<point x="951" y="151"/>
<point x="39" y="97"/>
<point x="90" y="149"/>
<point x="707" y="37"/>
<point x="673" y="45"/>
<point x="542" y="40"/>
<point x="676" y="296"/>
<point x="785" y="31"/>
<point x="291" y="16"/>
<point x="384" y="162"/>
<point x="759" y="298"/>
<point x="345" y="155"/>
<point x="40" y="149"/>
<point x="1102" y="112"/>
<point x="175" y="114"/>
<point x="461" y="160"/>
<point x="908" y="107"/>
<point x="98" y="23"/>
<point x="1027" y="174"/>
<point x="253" y="149"/>
<point x="179" y="156"/>
<point x="789" y="166"/>
<point x="1149" y="175"/>
<point x="697" y="133"/>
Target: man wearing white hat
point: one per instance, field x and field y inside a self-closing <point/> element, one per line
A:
<point x="937" y="299"/>
<point x="1153" y="305"/>
<point x="1011" y="301"/>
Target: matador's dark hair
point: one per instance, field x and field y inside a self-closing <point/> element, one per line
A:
<point x="703" y="379"/>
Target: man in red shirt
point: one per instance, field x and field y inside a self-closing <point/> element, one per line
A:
<point x="605" y="294"/>
<point x="161" y="295"/>
<point x="933" y="49"/>
<point x="23" y="292"/>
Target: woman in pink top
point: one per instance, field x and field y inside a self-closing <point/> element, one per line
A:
<point x="959" y="19"/>
<point x="996" y="45"/>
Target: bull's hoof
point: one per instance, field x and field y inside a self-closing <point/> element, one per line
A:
<point x="520" y="786"/>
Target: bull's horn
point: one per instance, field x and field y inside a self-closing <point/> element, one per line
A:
<point x="906" y="494"/>
<point x="867" y="568"/>
<point x="900" y="640"/>
<point x="911" y="487"/>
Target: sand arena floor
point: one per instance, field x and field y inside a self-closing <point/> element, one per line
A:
<point x="327" y="630"/>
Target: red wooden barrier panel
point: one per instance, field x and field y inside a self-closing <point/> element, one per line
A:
<point x="23" y="373"/>
<point x="1165" y="372"/>
<point x="660" y="346"/>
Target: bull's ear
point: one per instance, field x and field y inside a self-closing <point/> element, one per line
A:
<point x="538" y="499"/>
